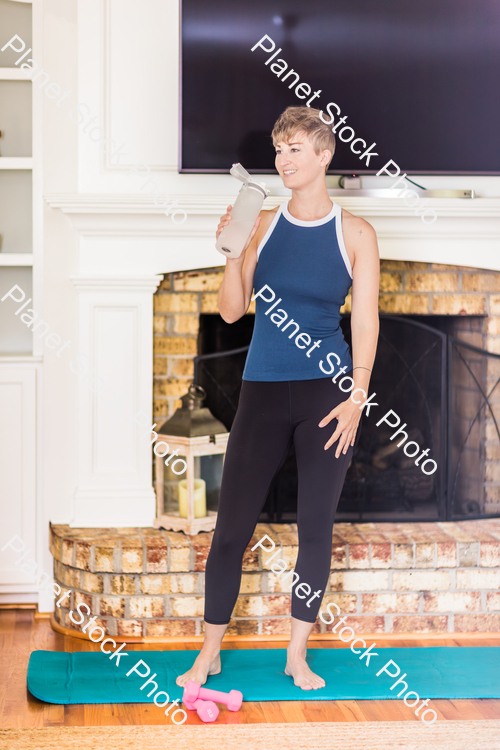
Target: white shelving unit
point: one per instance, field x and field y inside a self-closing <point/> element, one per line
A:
<point x="21" y="366"/>
<point x="11" y="164"/>
<point x="16" y="259"/>
<point x="15" y="163"/>
<point x="12" y="74"/>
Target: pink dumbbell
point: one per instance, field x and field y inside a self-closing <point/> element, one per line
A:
<point x="193" y="690"/>
<point x="206" y="710"/>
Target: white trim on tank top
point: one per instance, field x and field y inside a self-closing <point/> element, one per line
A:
<point x="269" y="232"/>
<point x="340" y="239"/>
<point x="315" y="223"/>
<point x="335" y="213"/>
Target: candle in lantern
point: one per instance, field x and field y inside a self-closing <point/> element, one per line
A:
<point x="200" y="504"/>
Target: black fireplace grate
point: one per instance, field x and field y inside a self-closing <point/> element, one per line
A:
<point x="446" y="394"/>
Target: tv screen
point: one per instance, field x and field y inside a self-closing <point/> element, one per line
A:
<point x="419" y="80"/>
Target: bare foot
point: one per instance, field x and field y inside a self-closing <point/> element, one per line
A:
<point x="202" y="667"/>
<point x="303" y="677"/>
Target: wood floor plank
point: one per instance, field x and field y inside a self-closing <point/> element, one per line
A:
<point x="96" y="717"/>
<point x="317" y="710"/>
<point x="54" y="715"/>
<point x="74" y="715"/>
<point x="490" y="709"/>
<point x="379" y="710"/>
<point x="450" y="710"/>
<point x="293" y="710"/>
<point x="459" y="709"/>
<point x="252" y="712"/>
<point x="351" y="710"/>
<point x="273" y="712"/>
<point x="332" y="712"/>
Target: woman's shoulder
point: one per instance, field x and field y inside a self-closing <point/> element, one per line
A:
<point x="360" y="240"/>
<point x="268" y="214"/>
<point x="354" y="226"/>
<point x="267" y="217"/>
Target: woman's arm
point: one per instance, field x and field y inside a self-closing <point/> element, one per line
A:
<point x="364" y="301"/>
<point x="362" y="248"/>
<point x="237" y="283"/>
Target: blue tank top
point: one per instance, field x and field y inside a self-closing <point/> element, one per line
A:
<point x="306" y="265"/>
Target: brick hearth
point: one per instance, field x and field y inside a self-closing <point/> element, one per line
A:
<point x="388" y="578"/>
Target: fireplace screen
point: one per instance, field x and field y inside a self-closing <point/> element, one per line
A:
<point x="473" y="434"/>
<point x="447" y="396"/>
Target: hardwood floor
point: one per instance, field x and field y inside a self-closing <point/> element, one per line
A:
<point x="20" y="634"/>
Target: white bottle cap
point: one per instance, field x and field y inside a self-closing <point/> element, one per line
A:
<point x="241" y="174"/>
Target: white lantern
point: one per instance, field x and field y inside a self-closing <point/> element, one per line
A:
<point x="198" y="442"/>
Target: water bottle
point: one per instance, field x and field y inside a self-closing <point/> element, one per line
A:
<point x="246" y="208"/>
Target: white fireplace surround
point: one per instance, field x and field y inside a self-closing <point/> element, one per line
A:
<point x="121" y="245"/>
<point x="102" y="247"/>
<point x="123" y="251"/>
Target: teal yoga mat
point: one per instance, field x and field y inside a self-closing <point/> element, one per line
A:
<point x="92" y="677"/>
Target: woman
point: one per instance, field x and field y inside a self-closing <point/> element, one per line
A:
<point x="308" y="253"/>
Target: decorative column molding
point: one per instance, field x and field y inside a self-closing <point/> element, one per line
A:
<point x="115" y="383"/>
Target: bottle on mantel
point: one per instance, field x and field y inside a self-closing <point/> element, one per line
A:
<point x="244" y="213"/>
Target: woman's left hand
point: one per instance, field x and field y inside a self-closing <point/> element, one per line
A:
<point x="347" y="415"/>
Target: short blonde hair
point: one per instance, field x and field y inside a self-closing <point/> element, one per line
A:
<point x="305" y="120"/>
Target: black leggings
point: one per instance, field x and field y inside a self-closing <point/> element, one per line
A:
<point x="270" y="416"/>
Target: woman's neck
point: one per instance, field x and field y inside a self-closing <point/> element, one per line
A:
<point x="310" y="204"/>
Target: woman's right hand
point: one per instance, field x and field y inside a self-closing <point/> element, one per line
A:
<point x="225" y="221"/>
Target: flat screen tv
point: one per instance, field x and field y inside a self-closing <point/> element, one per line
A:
<point x="417" y="78"/>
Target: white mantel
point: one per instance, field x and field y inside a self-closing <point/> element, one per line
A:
<point x="130" y="233"/>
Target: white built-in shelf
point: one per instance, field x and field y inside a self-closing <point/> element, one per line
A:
<point x="15" y="357"/>
<point x="13" y="74"/>
<point x="16" y="162"/>
<point x="16" y="259"/>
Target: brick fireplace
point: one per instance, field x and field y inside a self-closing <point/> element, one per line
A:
<point x="387" y="577"/>
<point x="460" y="301"/>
